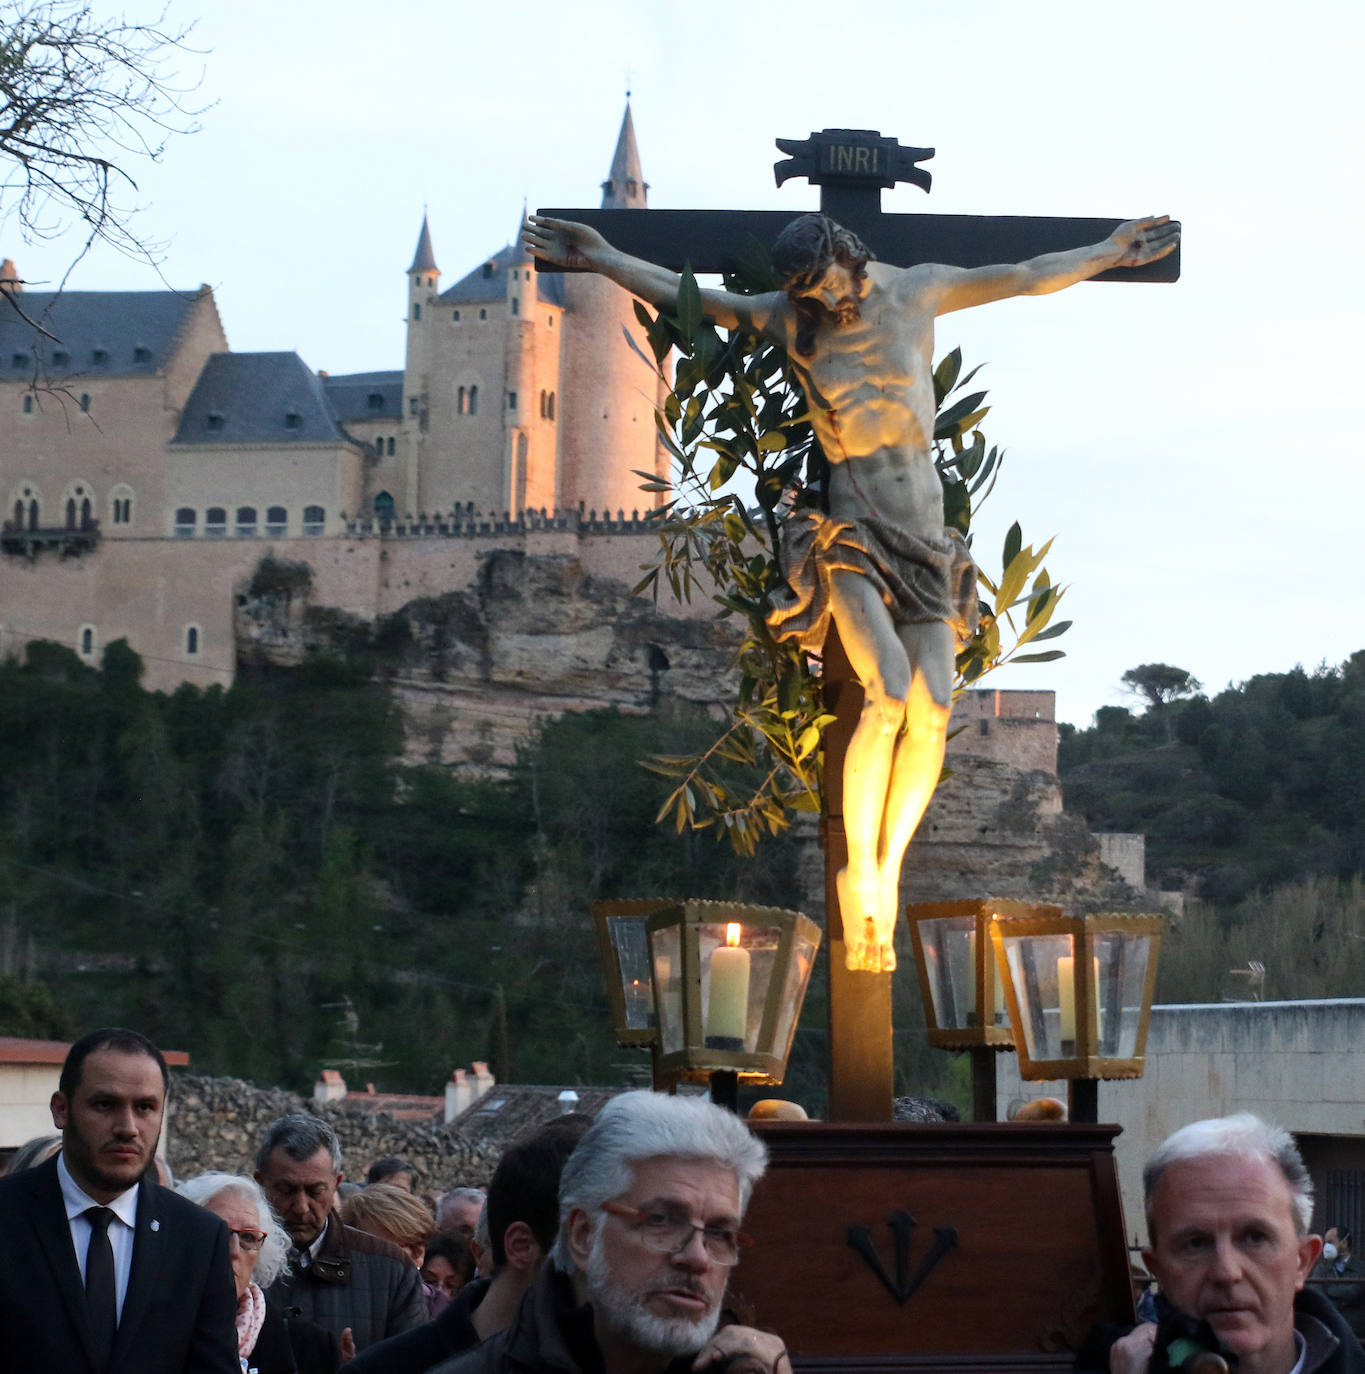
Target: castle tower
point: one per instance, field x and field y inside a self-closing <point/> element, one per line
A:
<point x="530" y="402"/>
<point x="417" y="373"/>
<point x="607" y="429"/>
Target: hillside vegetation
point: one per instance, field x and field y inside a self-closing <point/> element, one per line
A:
<point x="253" y="875"/>
<point x="1253" y="802"/>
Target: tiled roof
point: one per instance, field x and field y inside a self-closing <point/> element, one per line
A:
<point x="400" y="1106"/>
<point x="99" y="333"/>
<point x="16" y="1049"/>
<point x="509" y="1111"/>
<point x="349" y="396"/>
<point x="253" y="398"/>
<point x="488" y="281"/>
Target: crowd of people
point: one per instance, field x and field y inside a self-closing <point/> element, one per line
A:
<point x="599" y="1247"/>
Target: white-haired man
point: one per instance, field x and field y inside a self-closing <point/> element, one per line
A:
<point x="650" y="1205"/>
<point x="1228" y="1206"/>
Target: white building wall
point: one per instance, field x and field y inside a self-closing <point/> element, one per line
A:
<point x="1298" y="1064"/>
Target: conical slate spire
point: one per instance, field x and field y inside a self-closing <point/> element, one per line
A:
<point x="424" y="259"/>
<point x="518" y="246"/>
<point x="625" y="188"/>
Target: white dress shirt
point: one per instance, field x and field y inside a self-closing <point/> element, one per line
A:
<point x="121" y="1230"/>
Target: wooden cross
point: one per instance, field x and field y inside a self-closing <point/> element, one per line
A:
<point x="852" y="167"/>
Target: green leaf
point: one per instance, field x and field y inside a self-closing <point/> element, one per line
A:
<point x="945" y="375"/>
<point x="957" y="507"/>
<point x="640" y="352"/>
<point x="1014" y="541"/>
<point x="689" y="303"/>
<point x="1047" y="657"/>
<point x="949" y="421"/>
<point x="1060" y="628"/>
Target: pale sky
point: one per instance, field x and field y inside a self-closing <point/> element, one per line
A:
<point x="1196" y="448"/>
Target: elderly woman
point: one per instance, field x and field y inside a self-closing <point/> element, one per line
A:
<point x="395" y="1215"/>
<point x="267" y="1342"/>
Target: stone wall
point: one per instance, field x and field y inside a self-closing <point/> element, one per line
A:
<point x="217" y="1123"/>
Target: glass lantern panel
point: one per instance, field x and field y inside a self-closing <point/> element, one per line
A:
<point x="950" y="955"/>
<point x="666" y="946"/>
<point x="1122" y="960"/>
<point x="1040" y="968"/>
<point x="734" y="981"/>
<point x="631" y="944"/>
<point x="793" y="994"/>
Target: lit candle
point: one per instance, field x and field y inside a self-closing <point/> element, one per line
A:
<point x="992" y="977"/>
<point x="728" y="1013"/>
<point x="1066" y="994"/>
<point x="1066" y="988"/>
<point x="638" y="1007"/>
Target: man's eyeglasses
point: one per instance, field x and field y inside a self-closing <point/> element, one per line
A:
<point x="667" y="1234"/>
<point x="247" y="1238"/>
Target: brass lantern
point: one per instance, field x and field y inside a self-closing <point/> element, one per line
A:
<point x="729" y="982"/>
<point x="623" y="947"/>
<point x="958" y="974"/>
<point x="1079" y="990"/>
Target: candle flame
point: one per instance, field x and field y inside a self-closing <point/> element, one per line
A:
<point x="732" y="934"/>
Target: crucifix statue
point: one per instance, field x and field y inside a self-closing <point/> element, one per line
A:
<point x="878" y="564"/>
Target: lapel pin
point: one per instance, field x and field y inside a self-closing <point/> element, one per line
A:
<point x="156" y="1226"/>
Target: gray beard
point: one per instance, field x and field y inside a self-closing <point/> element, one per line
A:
<point x="623" y="1312"/>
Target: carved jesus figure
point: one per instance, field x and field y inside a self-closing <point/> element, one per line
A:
<point x="899" y="587"/>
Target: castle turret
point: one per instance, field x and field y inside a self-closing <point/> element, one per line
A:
<point x="608" y="425"/>
<point x="423" y="276"/>
<point x="625" y="187"/>
<point x="532" y="379"/>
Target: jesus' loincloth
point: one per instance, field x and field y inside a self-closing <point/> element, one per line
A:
<point x="919" y="579"/>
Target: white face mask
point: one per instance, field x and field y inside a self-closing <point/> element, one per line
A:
<point x="1329" y="1251"/>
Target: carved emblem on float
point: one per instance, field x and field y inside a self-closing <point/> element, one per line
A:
<point x="902" y="1225"/>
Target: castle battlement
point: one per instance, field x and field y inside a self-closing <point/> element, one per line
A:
<point x="465" y="522"/>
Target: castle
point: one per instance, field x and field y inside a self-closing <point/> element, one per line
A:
<point x="147" y="468"/>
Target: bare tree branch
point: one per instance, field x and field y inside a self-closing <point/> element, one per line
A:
<point x="84" y="99"/>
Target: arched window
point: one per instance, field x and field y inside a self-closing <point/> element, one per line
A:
<point x="121" y="504"/>
<point x="33" y="514"/>
<point x="191" y="639"/>
<point x="215" y="522"/>
<point x="314" y="518"/>
<point x="246" y="522"/>
<point x="390" y="445"/>
<point x="461" y="402"/>
<point x="383" y="506"/>
<point x="18" y="515"/>
<point x="87" y="641"/>
<point x="185" y="521"/>
<point x="416" y="311"/>
<point x="71" y="512"/>
<point x="86" y="520"/>
<point x="542" y="405"/>
<point x="552" y="405"/>
<point x="28" y="405"/>
<point x="276" y="522"/>
<point x="473" y="400"/>
<point x="516" y="305"/>
<point x="85" y="400"/>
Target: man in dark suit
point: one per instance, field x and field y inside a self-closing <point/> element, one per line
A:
<point x="103" y="1271"/>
